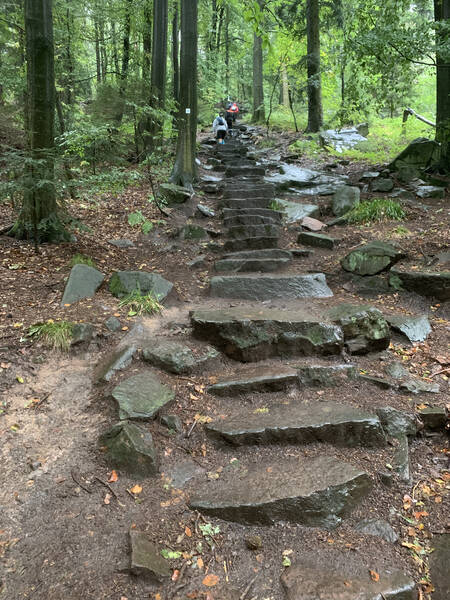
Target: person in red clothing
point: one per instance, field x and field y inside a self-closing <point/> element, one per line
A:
<point x="233" y="110"/>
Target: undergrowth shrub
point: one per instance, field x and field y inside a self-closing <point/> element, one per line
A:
<point x="373" y="211"/>
<point x="55" y="334"/>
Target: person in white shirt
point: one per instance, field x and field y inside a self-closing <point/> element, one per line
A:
<point x="220" y="128"/>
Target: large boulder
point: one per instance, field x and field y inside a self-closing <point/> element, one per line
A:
<point x="425" y="283"/>
<point x="130" y="447"/>
<point x="344" y="199"/>
<point x="371" y="258"/>
<point x="420" y="153"/>
<point x="172" y="194"/>
<point x="123" y="283"/>
<point x="83" y="282"/>
<point x="364" y="326"/>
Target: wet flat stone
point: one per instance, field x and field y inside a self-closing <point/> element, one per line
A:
<point x="439" y="564"/>
<point x="419" y="386"/>
<point x="317" y="492"/>
<point x="317" y="240"/>
<point x="130" y="447"/>
<point x="365" y="328"/>
<point x="246" y="220"/>
<point x="250" y="243"/>
<point x="249" y="334"/>
<point x="146" y="559"/>
<point x="246" y="265"/>
<point x="259" y="379"/>
<point x="320" y="578"/>
<point x="262" y="253"/>
<point x="117" y="361"/>
<point x="265" y="230"/>
<point x="338" y="424"/>
<point x="416" y="329"/>
<point x="178" y="358"/>
<point x="254" y="202"/>
<point x="324" y="375"/>
<point x="83" y="282"/>
<point x="425" y="283"/>
<point x="265" y="287"/>
<point x="245" y="192"/>
<point x="141" y="396"/>
<point x="378" y="528"/>
<point x="245" y="171"/>
<point x="295" y="211"/>
<point x="265" y="212"/>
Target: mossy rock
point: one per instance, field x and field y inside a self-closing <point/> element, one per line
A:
<point x="173" y="194"/>
<point x="130" y="447"/>
<point x="123" y="283"/>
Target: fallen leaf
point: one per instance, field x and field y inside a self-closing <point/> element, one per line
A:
<point x="374" y="575"/>
<point x="176" y="575"/>
<point x="438" y="499"/>
<point x="210" y="580"/>
<point x="192" y="595"/>
<point x="203" y="448"/>
<point x="136" y="489"/>
<point x="113" y="477"/>
<point x="188" y="531"/>
<point x="200" y="563"/>
<point x="420" y="513"/>
<point x="107" y="499"/>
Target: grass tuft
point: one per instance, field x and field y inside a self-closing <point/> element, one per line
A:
<point x="81" y="259"/>
<point x="373" y="211"/>
<point x="139" y="304"/>
<point x="55" y="334"/>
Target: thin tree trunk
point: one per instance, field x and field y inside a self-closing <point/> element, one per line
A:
<point x="115" y="53"/>
<point x="159" y="68"/>
<point x="125" y="58"/>
<point x="185" y="169"/>
<point x="97" y="52"/>
<point x="69" y="58"/>
<point x="258" y="90"/>
<point x="146" y="48"/>
<point x="315" y="115"/>
<point x="227" y="50"/>
<point x="103" y="53"/>
<point x="62" y="130"/>
<point x="441" y="15"/>
<point x="284" y="86"/>
<point x="175" y="57"/>
<point x="39" y="218"/>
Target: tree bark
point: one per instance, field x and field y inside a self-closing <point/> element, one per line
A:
<point x="97" y="52"/>
<point x="146" y="48"/>
<point x="159" y="68"/>
<point x="258" y="90"/>
<point x="185" y="169"/>
<point x="39" y="219"/>
<point x="125" y="58"/>
<point x="227" y="51"/>
<point x="442" y="14"/>
<point x="175" y="56"/>
<point x="285" y="86"/>
<point x="315" y="115"/>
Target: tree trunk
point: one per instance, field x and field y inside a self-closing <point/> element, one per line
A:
<point x="258" y="91"/>
<point x="159" y="68"/>
<point x="146" y="48"/>
<point x="98" y="61"/>
<point x="442" y="14"/>
<point x="39" y="218"/>
<point x="69" y="58"/>
<point x="125" y="58"/>
<point x="185" y="169"/>
<point x="103" y="53"/>
<point x="285" y="86"/>
<point x="227" y="51"/>
<point x="315" y="116"/>
<point x="175" y="58"/>
<point x="114" y="43"/>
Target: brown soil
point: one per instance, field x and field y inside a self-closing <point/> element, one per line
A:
<point x="64" y="532"/>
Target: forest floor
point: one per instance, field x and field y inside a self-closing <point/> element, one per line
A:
<point x="64" y="528"/>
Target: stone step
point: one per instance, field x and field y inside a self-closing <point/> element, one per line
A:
<point x="318" y="240"/>
<point x="334" y="575"/>
<point x="238" y="203"/>
<point x="255" y="379"/>
<point x="338" y="424"/>
<point x="249" y="334"/>
<point x="244" y="191"/>
<point x="247" y="265"/>
<point x="264" y="253"/>
<point x="237" y="162"/>
<point x="251" y="243"/>
<point x="242" y="231"/>
<point x="245" y="171"/>
<point x="264" y="212"/>
<point x="249" y="220"/>
<point x="316" y="492"/>
<point x="265" y="287"/>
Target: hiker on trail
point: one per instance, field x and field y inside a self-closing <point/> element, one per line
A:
<point x="220" y="128"/>
<point x="233" y="110"/>
<point x="229" y="120"/>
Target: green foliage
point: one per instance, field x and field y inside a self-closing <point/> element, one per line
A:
<point x="137" y="218"/>
<point x="170" y="554"/>
<point x="274" y="205"/>
<point x="373" y="211"/>
<point x="55" y="334"/>
<point x="81" y="259"/>
<point x="139" y="304"/>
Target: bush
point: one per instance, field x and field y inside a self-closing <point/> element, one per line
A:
<point x="139" y="304"/>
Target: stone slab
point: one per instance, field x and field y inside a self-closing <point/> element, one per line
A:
<point x="249" y="220"/>
<point x="250" y="243"/>
<point x="130" y="447"/>
<point x="246" y="265"/>
<point x="338" y="424"/>
<point x="116" y="361"/>
<point x="243" y="231"/>
<point x="316" y="492"/>
<point x="265" y="212"/>
<point x="178" y="358"/>
<point x="319" y="577"/>
<point x="83" y="282"/>
<point x="260" y="378"/>
<point x="296" y="211"/>
<point x="416" y="329"/>
<point x="141" y="396"/>
<point x="262" y="253"/>
<point x="325" y="375"/>
<point x="249" y="334"/>
<point x="371" y="258"/>
<point x="317" y="240"/>
<point x="265" y="287"/>
<point x="243" y="191"/>
<point x="126" y="282"/>
<point x="439" y="566"/>
<point x="254" y="202"/>
<point x="146" y="559"/>
<point x="425" y="283"/>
